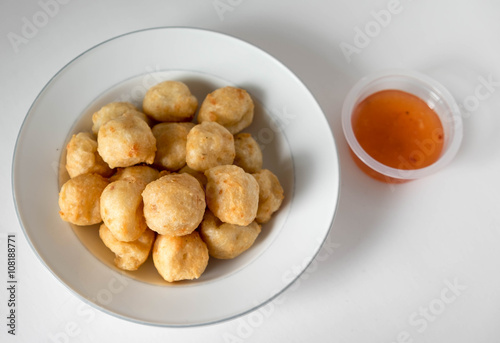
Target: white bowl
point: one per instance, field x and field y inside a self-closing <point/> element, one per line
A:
<point x="290" y="126"/>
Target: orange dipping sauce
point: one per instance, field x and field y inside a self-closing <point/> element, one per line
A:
<point x="399" y="130"/>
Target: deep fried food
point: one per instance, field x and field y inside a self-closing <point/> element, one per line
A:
<point x="170" y="101"/>
<point x="183" y="191"/>
<point x="270" y="195"/>
<point x="128" y="255"/>
<point x="232" y="195"/>
<point x="180" y="258"/>
<point x="171" y="141"/>
<point x="122" y="209"/>
<point x="226" y="241"/>
<point x="82" y="156"/>
<point x="145" y="174"/>
<point x="79" y="199"/>
<point x="248" y="153"/>
<point x="125" y="141"/>
<point x="174" y="204"/>
<point x="114" y="110"/>
<point x="198" y="175"/>
<point x="229" y="106"/>
<point x="208" y="145"/>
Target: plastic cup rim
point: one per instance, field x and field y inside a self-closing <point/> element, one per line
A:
<point x="454" y="115"/>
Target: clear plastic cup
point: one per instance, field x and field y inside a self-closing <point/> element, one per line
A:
<point x="431" y="92"/>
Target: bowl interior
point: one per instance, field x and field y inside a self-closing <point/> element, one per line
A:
<point x="276" y="153"/>
<point x="286" y="115"/>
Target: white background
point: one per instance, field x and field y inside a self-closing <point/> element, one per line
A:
<point x="418" y="262"/>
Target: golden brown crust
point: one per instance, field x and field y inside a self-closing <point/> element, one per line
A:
<point x="79" y="199"/>
<point x="180" y="258"/>
<point x="128" y="255"/>
<point x="122" y="209"/>
<point x="145" y="174"/>
<point x="196" y="174"/>
<point x="248" y="153"/>
<point x="195" y="201"/>
<point x="270" y="195"/>
<point x="114" y="110"/>
<point x="82" y="156"/>
<point x="208" y="145"/>
<point x="171" y="139"/>
<point x="174" y="204"/>
<point x="229" y="106"/>
<point x="125" y="141"/>
<point x="226" y="241"/>
<point x="232" y="195"/>
<point x="170" y="101"/>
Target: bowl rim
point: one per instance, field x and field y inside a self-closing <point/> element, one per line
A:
<point x="15" y="180"/>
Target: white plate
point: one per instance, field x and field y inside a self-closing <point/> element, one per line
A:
<point x="289" y="125"/>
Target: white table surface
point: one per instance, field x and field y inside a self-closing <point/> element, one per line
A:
<point x="418" y="262"/>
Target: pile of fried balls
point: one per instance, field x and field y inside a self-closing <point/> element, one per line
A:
<point x="158" y="181"/>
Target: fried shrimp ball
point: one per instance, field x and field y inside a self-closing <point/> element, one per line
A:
<point x="180" y="258"/>
<point x="79" y="199"/>
<point x="248" y="153"/>
<point x="82" y="156"/>
<point x="270" y="195"/>
<point x="208" y="145"/>
<point x="226" y="241"/>
<point x="171" y="141"/>
<point x="198" y="175"/>
<point x="174" y="204"/>
<point x="125" y="141"/>
<point x="170" y="101"/>
<point x="129" y="255"/>
<point x="145" y="174"/>
<point x="114" y="110"/>
<point x="229" y="106"/>
<point x="232" y="195"/>
<point x="122" y="209"/>
<point x="165" y="172"/>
